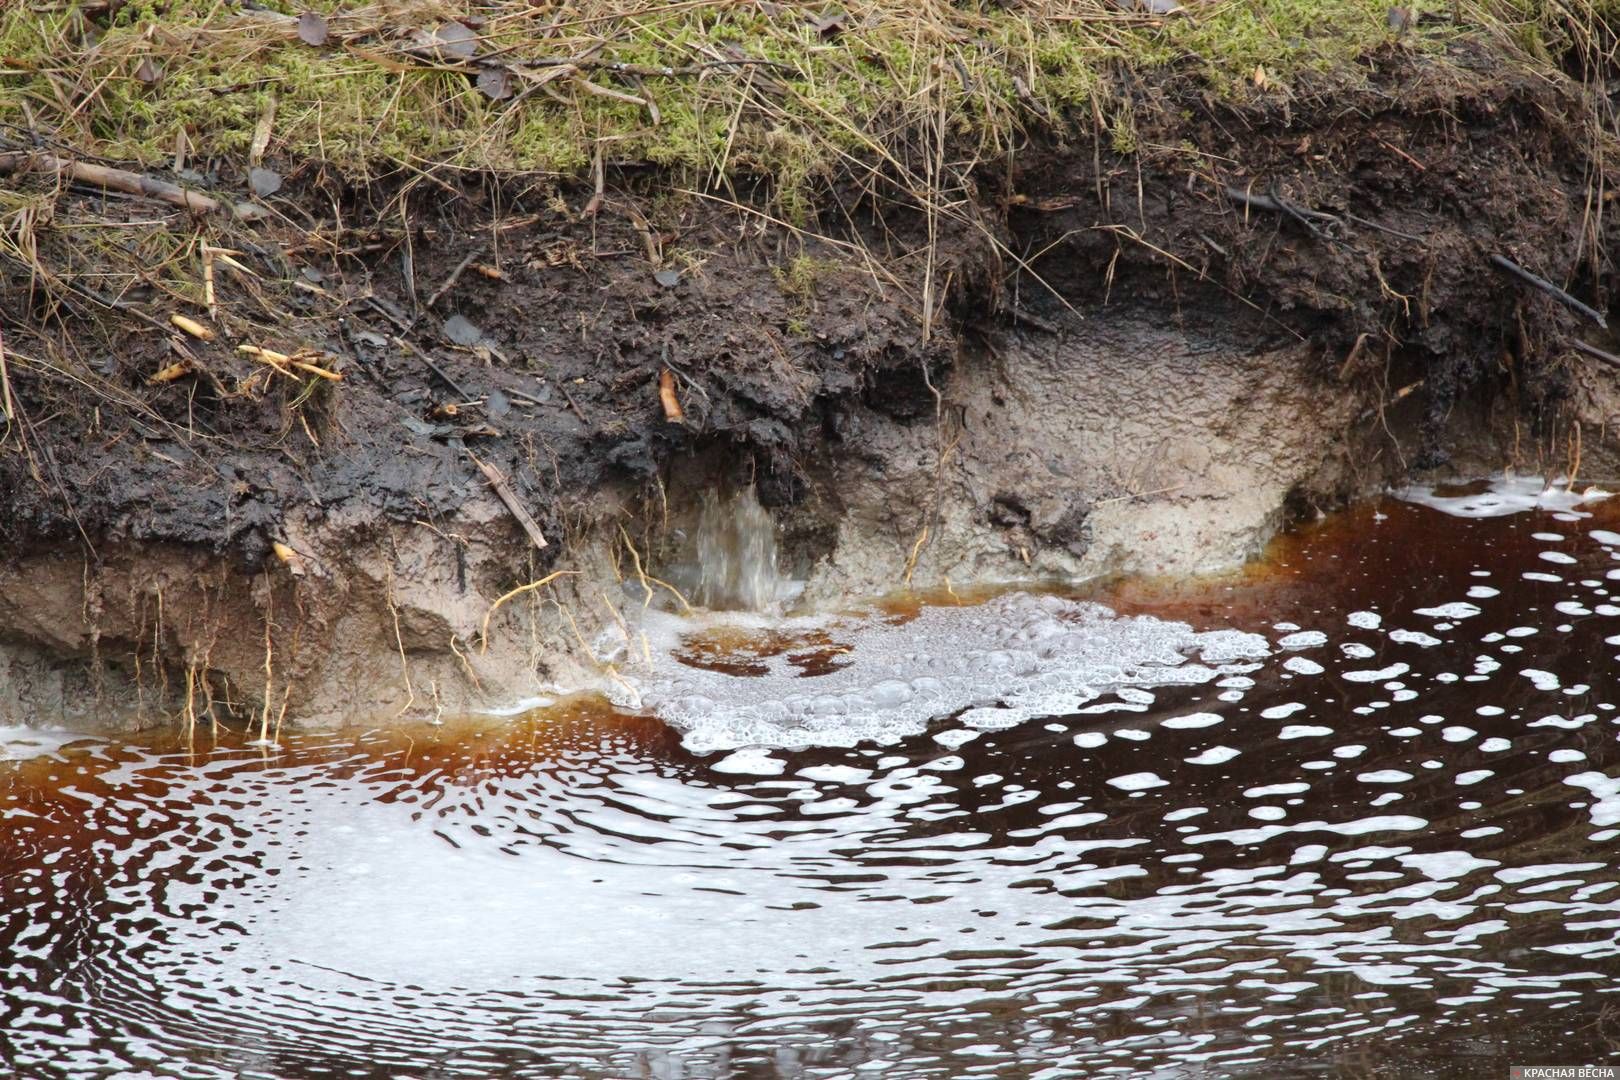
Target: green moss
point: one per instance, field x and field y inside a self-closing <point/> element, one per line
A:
<point x="860" y="93"/>
<point x="798" y="278"/>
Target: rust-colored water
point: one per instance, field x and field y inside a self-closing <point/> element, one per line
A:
<point x="1390" y="853"/>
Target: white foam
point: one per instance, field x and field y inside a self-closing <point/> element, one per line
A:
<point x="1542" y="680"/>
<point x="1606" y="790"/>
<point x="18" y="743"/>
<point x="750" y="761"/>
<point x="1141" y="781"/>
<point x="1008" y="660"/>
<point x="1379" y="675"/>
<point x="1193" y="720"/>
<point x="1414" y="637"/>
<point x="1215" y="755"/>
<point x="1504" y="495"/>
<point x="1457" y="609"/>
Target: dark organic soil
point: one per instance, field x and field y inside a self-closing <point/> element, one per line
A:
<point x="771" y="335"/>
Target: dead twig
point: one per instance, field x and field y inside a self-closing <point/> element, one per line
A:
<point x="1276" y="204"/>
<point x="1593" y="351"/>
<point x="405" y="343"/>
<point x="455" y="275"/>
<point x="129" y="183"/>
<point x="1382" y="228"/>
<point x="1501" y="262"/>
<point x="7" y="409"/>
<point x="497" y="480"/>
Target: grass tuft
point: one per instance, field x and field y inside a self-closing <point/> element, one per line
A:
<point x="708" y="88"/>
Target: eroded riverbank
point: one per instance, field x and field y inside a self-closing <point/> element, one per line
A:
<point x="1388" y="844"/>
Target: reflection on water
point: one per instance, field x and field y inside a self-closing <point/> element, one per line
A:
<point x="1387" y="849"/>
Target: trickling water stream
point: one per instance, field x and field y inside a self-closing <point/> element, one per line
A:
<point x="736" y="554"/>
<point x="1356" y="817"/>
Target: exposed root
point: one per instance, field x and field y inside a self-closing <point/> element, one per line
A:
<point x="648" y="580"/>
<point x="399" y="642"/>
<point x="483" y="636"/>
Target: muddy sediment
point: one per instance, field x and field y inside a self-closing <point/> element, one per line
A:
<point x="1116" y="360"/>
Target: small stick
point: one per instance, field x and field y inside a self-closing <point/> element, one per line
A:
<point x="192" y="327"/>
<point x="330" y="376"/>
<point x="572" y="404"/>
<point x="1272" y="203"/>
<point x="1383" y="228"/>
<point x="209" y="300"/>
<point x="455" y="275"/>
<point x="598" y="176"/>
<point x="1511" y="267"/>
<point x="497" y="480"/>
<point x="110" y="178"/>
<point x="1593" y="351"/>
<point x="6" y="405"/>
<point x="405" y="343"/>
<point x="1388" y="146"/>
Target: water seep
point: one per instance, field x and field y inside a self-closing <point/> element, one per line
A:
<point x="736" y="554"/>
<point x="1013" y="658"/>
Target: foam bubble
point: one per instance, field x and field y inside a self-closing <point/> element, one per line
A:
<point x="1008" y="660"/>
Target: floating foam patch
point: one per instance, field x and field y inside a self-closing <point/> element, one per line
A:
<point x="1500" y="497"/>
<point x="1009" y="660"/>
<point x="18" y="743"/>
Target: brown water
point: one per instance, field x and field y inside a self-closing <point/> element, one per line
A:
<point x="1390" y="853"/>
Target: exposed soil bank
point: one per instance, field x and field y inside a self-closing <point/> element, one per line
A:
<point x="1124" y="370"/>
